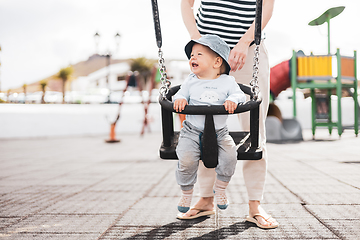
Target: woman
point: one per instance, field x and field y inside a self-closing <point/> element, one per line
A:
<point x="233" y="21"/>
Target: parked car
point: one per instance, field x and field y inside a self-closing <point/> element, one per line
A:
<point x="115" y="97"/>
<point x="3" y="97"/>
<point x="16" y="98"/>
<point x="53" y="97"/>
<point x="73" y="97"/>
<point x="34" y="97"/>
<point x="96" y="95"/>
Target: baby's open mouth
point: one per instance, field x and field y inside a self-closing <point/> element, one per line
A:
<point x="194" y="65"/>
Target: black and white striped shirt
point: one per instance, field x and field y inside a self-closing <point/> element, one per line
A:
<point x="229" y="19"/>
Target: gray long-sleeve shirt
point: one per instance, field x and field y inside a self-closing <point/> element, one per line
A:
<point x="214" y="92"/>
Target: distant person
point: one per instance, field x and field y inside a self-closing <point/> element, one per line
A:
<point x="209" y="83"/>
<point x="233" y="21"/>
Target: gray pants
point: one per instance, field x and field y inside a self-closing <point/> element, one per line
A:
<point x="188" y="152"/>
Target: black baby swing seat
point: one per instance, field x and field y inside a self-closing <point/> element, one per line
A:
<point x="247" y="141"/>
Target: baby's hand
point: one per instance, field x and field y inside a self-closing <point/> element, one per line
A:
<point x="180" y="104"/>
<point x="230" y="106"/>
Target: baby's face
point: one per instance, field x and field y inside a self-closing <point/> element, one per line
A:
<point x="202" y="59"/>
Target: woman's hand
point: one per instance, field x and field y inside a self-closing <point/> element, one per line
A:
<point x="230" y="106"/>
<point x="179" y="104"/>
<point x="238" y="56"/>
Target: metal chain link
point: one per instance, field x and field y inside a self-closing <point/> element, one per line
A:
<point x="254" y="81"/>
<point x="165" y="83"/>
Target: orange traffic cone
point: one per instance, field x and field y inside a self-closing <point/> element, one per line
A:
<point x="112" y="138"/>
<point x="182" y="118"/>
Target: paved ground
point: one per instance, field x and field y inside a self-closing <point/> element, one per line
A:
<point x="84" y="188"/>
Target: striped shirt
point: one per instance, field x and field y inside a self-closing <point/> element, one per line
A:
<point x="229" y="19"/>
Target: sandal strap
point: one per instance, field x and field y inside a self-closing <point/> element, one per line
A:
<point x="200" y="210"/>
<point x="197" y="209"/>
<point x="259" y="215"/>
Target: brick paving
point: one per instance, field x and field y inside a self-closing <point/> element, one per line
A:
<point x="84" y="188"/>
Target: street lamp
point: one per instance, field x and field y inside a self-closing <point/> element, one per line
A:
<point x="117" y="40"/>
<point x="108" y="58"/>
<point x="97" y="39"/>
<point x="0" y="71"/>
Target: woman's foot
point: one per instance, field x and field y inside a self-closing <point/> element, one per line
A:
<point x="258" y="216"/>
<point x="204" y="204"/>
<point x="185" y="200"/>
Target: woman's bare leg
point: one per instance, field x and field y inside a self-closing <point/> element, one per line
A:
<point x="255" y="208"/>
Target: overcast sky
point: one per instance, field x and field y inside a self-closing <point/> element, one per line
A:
<point x="39" y="37"/>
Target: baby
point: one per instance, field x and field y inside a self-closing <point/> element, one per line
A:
<point x="209" y="83"/>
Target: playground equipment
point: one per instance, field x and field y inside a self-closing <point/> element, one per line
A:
<point x="279" y="129"/>
<point x="325" y="17"/>
<point x="132" y="80"/>
<point x="315" y="73"/>
<point x="279" y="78"/>
<point x="112" y="136"/>
<point x="147" y="103"/>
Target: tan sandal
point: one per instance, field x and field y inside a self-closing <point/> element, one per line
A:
<point x="254" y="220"/>
<point x="200" y="213"/>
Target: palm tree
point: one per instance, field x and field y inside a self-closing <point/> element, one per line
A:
<point x="64" y="75"/>
<point x="8" y="95"/>
<point x="24" y="87"/>
<point x="143" y="66"/>
<point x="43" y="84"/>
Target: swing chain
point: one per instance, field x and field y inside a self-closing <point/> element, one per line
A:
<point x="254" y="81"/>
<point x="165" y="83"/>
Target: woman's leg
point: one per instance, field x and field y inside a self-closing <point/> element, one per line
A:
<point x="255" y="171"/>
<point x="225" y="168"/>
<point x="206" y="180"/>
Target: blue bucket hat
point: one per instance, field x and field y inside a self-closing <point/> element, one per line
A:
<point x="216" y="44"/>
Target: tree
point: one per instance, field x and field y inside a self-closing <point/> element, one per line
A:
<point x="143" y="66"/>
<point x="64" y="74"/>
<point x="24" y="88"/>
<point x="8" y="95"/>
<point x="43" y="84"/>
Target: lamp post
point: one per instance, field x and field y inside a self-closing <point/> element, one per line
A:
<point x="0" y="68"/>
<point x="108" y="58"/>
<point x="117" y="41"/>
<point x="97" y="39"/>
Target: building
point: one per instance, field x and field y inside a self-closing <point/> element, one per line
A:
<point x="95" y="79"/>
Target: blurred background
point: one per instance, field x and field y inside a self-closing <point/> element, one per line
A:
<point x="89" y="53"/>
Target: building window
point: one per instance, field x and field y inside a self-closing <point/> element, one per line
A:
<point x="121" y="78"/>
